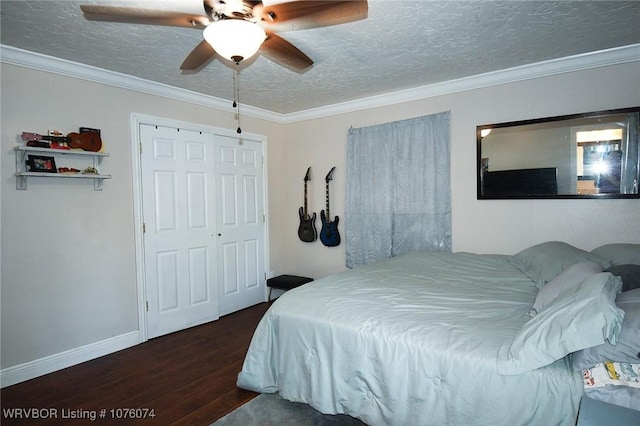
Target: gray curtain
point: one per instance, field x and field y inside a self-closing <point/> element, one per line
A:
<point x="398" y="193"/>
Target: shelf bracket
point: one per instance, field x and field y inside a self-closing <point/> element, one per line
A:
<point x="21" y="182"/>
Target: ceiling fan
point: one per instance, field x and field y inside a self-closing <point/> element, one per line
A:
<point x="237" y="29"/>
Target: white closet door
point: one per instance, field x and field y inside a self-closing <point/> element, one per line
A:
<point x="241" y="222"/>
<point x="180" y="240"/>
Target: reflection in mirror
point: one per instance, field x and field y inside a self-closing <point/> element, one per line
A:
<point x="591" y="155"/>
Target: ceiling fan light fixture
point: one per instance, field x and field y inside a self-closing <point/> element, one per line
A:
<point x="234" y="39"/>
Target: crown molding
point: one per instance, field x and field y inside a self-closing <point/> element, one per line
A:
<point x="38" y="61"/>
<point x="618" y="55"/>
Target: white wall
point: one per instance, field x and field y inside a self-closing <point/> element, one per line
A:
<point x="485" y="226"/>
<point x="68" y="254"/>
<point x="68" y="266"/>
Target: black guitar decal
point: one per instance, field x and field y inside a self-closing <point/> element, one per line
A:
<point x="329" y="234"/>
<point x="307" y="229"/>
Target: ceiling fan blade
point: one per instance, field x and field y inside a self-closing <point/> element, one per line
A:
<point x="198" y="57"/>
<point x="284" y="53"/>
<point x="144" y="16"/>
<point x="304" y="14"/>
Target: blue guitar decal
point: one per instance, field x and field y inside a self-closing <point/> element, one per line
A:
<point x="329" y="234"/>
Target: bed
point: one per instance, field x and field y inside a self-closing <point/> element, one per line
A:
<point x="439" y="338"/>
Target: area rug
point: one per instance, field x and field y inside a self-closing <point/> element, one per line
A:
<point x="268" y="409"/>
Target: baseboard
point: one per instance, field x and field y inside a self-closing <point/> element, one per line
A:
<point x="39" y="367"/>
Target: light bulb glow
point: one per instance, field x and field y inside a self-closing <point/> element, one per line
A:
<point x="234" y="39"/>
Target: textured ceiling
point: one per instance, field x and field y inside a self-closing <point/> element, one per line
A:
<point x="402" y="44"/>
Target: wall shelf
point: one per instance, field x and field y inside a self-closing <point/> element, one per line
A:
<point x="22" y="175"/>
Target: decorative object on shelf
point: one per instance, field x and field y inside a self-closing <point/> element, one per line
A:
<point x="88" y="129"/>
<point x="59" y="145"/>
<point x="42" y="164"/>
<point x="307" y="228"/>
<point x="39" y="144"/>
<point x="24" y="170"/>
<point x="68" y="170"/>
<point x="36" y="137"/>
<point x="329" y="234"/>
<point x="87" y="141"/>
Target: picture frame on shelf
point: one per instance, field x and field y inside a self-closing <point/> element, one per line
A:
<point x="41" y="164"/>
<point x="88" y="129"/>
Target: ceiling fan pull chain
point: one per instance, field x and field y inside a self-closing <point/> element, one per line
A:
<point x="235" y="104"/>
<point x="236" y="97"/>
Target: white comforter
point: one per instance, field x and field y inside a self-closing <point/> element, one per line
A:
<point x="410" y="341"/>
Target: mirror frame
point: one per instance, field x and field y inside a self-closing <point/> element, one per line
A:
<point x="479" y="129"/>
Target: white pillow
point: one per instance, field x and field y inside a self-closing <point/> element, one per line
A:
<point x="570" y="277"/>
<point x="582" y="316"/>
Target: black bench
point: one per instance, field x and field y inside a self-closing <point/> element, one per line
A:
<point x="286" y="282"/>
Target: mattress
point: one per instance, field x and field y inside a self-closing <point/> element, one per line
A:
<point x="410" y="340"/>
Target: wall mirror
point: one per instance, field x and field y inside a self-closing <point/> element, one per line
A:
<point x="589" y="155"/>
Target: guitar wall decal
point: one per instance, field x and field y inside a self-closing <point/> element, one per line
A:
<point x="329" y="234"/>
<point x="307" y="229"/>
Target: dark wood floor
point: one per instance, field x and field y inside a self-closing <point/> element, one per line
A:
<point x="186" y="378"/>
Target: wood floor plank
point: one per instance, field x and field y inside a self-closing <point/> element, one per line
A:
<point x="187" y="378"/>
